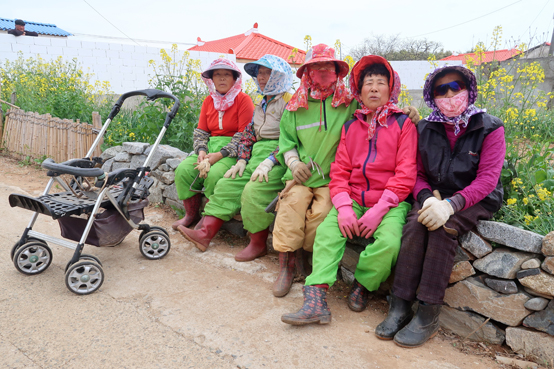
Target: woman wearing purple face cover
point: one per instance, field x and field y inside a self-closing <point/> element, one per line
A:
<point x="461" y="151"/>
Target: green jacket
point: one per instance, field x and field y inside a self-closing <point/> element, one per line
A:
<point x="301" y="130"/>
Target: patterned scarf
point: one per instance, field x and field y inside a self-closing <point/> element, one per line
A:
<point x="223" y="102"/>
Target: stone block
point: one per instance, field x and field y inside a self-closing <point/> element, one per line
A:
<point x="532" y="292"/>
<point x="176" y="204"/>
<point x="528" y="272"/>
<point x="536" y="304"/>
<point x="461" y="271"/>
<point x="137" y="161"/>
<point x="135" y="147"/>
<point x="510" y="236"/>
<point x="168" y="178"/>
<point x="531" y="264"/>
<point x="503" y="286"/>
<point x="471" y="294"/>
<point x="502" y="262"/>
<point x="164" y="168"/>
<point x="464" y="322"/>
<point x="107" y="166"/>
<point x="123" y="157"/>
<point x="174" y="163"/>
<point x="548" y="265"/>
<point x="234" y="227"/>
<point x="170" y="192"/>
<point x="346" y="275"/>
<point x="542" y="320"/>
<point x="542" y="282"/>
<point x="535" y="346"/>
<point x="350" y="259"/>
<point x="462" y="255"/>
<point x="163" y="152"/>
<point x="118" y="165"/>
<point x="156" y="192"/>
<point x="548" y="244"/>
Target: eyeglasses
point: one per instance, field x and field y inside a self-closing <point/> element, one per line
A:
<point x="455" y="86"/>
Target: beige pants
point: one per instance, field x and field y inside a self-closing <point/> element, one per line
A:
<point x="299" y="215"/>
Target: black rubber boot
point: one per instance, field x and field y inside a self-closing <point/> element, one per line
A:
<point x="314" y="310"/>
<point x="400" y="314"/>
<point x="421" y="328"/>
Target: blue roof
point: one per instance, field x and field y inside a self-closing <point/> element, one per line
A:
<point x="40" y="28"/>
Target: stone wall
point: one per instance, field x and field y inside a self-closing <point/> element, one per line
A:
<point x="496" y="294"/>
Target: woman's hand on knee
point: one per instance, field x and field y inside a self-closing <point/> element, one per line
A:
<point x="201" y="156"/>
<point x="214" y="157"/>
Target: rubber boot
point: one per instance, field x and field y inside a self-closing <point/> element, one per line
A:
<point x="400" y="314"/>
<point x="256" y="248"/>
<point x="287" y="267"/>
<point x="192" y="211"/>
<point x="358" y="299"/>
<point x="421" y="328"/>
<point x="314" y="310"/>
<point x="202" y="237"/>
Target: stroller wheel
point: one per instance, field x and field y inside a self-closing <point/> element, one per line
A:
<point x="154" y="245"/>
<point x="16" y="245"/>
<point x="90" y="258"/>
<point x="153" y="228"/>
<point x="84" y="277"/>
<point x="32" y="258"/>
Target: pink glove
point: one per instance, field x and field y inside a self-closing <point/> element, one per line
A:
<point x="348" y="221"/>
<point x="369" y="222"/>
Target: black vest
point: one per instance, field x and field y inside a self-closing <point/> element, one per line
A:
<point x="449" y="171"/>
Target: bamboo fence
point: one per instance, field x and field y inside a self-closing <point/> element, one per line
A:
<point x="28" y="134"/>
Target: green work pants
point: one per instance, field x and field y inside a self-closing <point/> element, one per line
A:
<point x="376" y="261"/>
<point x="185" y="172"/>
<point x="250" y="198"/>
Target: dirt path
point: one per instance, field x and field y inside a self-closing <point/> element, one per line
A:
<point x="190" y="309"/>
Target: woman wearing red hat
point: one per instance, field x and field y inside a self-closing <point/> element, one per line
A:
<point x="373" y="173"/>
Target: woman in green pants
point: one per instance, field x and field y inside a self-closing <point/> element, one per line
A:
<point x="224" y="115"/>
<point x="255" y="179"/>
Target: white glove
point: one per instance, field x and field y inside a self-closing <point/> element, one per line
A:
<point x="238" y="167"/>
<point x="203" y="168"/>
<point x="412" y="113"/>
<point x="262" y="170"/>
<point x="435" y="213"/>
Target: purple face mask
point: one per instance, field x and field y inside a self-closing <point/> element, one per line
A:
<point x="453" y="106"/>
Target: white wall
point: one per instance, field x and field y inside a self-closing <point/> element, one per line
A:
<point x="125" y="66"/>
<point x="413" y="72"/>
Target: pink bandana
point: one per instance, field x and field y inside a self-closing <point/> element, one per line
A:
<point x="223" y="102"/>
<point x="453" y="106"/>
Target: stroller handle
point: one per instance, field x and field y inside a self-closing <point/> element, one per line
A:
<point x="151" y="94"/>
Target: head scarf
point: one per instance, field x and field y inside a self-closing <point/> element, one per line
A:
<point x="436" y="115"/>
<point x="222" y="102"/>
<point x="281" y="74"/>
<point x="380" y="114"/>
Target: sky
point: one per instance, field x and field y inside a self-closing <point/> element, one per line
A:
<point x="457" y="25"/>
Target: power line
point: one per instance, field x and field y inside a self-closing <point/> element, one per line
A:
<point x="471" y="20"/>
<point x="106" y="19"/>
<point x="545" y="4"/>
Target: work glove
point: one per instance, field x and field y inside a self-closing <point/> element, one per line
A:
<point x="369" y="222"/>
<point x="348" y="221"/>
<point x="412" y="113"/>
<point x="237" y="168"/>
<point x="203" y="168"/>
<point x="435" y="213"/>
<point x="300" y="171"/>
<point x="262" y="170"/>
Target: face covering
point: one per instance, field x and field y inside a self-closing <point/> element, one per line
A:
<point x="453" y="106"/>
<point x="323" y="79"/>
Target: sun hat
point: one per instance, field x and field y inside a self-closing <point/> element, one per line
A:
<point x="221" y="64"/>
<point x="364" y="62"/>
<point x="323" y="53"/>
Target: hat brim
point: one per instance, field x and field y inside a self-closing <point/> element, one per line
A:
<point x="253" y="67"/>
<point x="343" y="66"/>
<point x="366" y="61"/>
<point x="208" y="73"/>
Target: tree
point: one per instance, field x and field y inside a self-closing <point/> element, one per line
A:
<point x="394" y="47"/>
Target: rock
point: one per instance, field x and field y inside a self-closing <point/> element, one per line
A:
<point x="535" y="293"/>
<point x="531" y="264"/>
<point x="164" y="168"/>
<point x="475" y="244"/>
<point x="502" y="286"/>
<point x="461" y="271"/>
<point x="107" y="166"/>
<point x="234" y="227"/>
<point x="176" y="204"/>
<point x="502" y="262"/>
<point x="170" y="192"/>
<point x="111" y="152"/>
<point x="346" y="275"/>
<point x="156" y="192"/>
<point x="157" y="174"/>
<point x="548" y="244"/>
<point x="168" y="178"/>
<point x="548" y="265"/>
<point x="118" y="165"/>
<point x="462" y="255"/>
<point x="535" y="304"/>
<point x="542" y="320"/>
<point x="542" y="283"/>
<point x="472" y="294"/>
<point x="350" y="259"/>
<point x="137" y="161"/>
<point x="123" y="157"/>
<point x="516" y="363"/>
<point x="510" y="236"/>
<point x="361" y="241"/>
<point x="163" y="152"/>
<point x="135" y="147"/>
<point x="464" y="322"/>
<point x="528" y="272"/>
<point x="533" y="345"/>
<point x="174" y="163"/>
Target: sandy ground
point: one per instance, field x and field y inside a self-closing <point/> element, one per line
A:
<point x="188" y="310"/>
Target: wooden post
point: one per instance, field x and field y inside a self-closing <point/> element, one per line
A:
<point x="13" y="98"/>
<point x="97" y="124"/>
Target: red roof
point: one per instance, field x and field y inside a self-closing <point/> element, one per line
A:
<point x="251" y="46"/>
<point x="498" y="55"/>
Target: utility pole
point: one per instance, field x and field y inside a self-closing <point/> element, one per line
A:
<point x="551" y="49"/>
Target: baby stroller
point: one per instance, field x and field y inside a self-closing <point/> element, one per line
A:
<point x="122" y="194"/>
